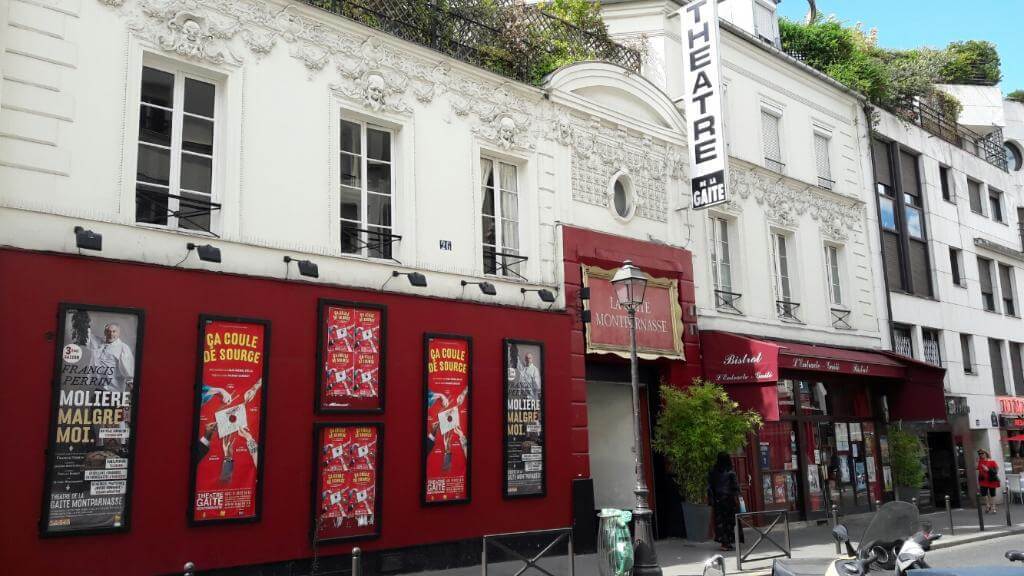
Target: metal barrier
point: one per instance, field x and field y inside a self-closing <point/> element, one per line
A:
<point x="745" y="519"/>
<point x="558" y="535"/>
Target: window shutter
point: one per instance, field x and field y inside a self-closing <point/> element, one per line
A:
<point x="883" y="172"/>
<point x="1006" y="286"/>
<point x="985" y="275"/>
<point x="919" y="273"/>
<point x="821" y="156"/>
<point x="908" y="174"/>
<point x="770" y="136"/>
<point x="974" y="189"/>
<point x="1018" y="368"/>
<point x="995" y="355"/>
<point x="765" y="23"/>
<point x="891" y="244"/>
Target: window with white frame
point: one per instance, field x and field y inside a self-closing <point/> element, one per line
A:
<point x="766" y="23"/>
<point x="500" y="218"/>
<point x="721" y="264"/>
<point x="770" y="140"/>
<point x="782" y="272"/>
<point x="822" y="161"/>
<point x="366" y="159"/>
<point x="833" y="274"/>
<point x="176" y="166"/>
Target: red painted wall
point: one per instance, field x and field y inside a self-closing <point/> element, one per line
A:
<point x="160" y="540"/>
<point x="607" y="251"/>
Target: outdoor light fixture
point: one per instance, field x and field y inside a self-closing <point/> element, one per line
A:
<point x="415" y="278"/>
<point x="544" y="294"/>
<point x="306" y="267"/>
<point x="207" y="253"/>
<point x="630" y="283"/>
<point x="87" y="239"/>
<point x="485" y="287"/>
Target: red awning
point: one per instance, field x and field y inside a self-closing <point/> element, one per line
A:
<point x="796" y="356"/>
<point x="749" y="368"/>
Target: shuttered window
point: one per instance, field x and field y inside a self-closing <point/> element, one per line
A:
<point x="892" y="250"/>
<point x="966" y="354"/>
<point x="822" y="161"/>
<point x="770" y="140"/>
<point x="974" y="191"/>
<point x="988" y="296"/>
<point x="1006" y="288"/>
<point x="765" y="23"/>
<point x="920" y="275"/>
<point x="1017" y="365"/>
<point x="995" y="354"/>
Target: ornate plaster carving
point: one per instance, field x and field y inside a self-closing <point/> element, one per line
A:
<point x="187" y="28"/>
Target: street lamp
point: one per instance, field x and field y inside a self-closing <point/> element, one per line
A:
<point x="630" y="283"/>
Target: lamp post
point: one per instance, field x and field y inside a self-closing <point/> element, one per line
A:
<point x="630" y="283"/>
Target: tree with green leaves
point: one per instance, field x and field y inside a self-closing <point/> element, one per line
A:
<point x="906" y="453"/>
<point x="695" y="424"/>
<point x="1016" y="96"/>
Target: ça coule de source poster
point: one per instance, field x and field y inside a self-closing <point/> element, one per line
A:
<point x="524" y="419"/>
<point x="90" y="455"/>
<point x="446" y="450"/>
<point x="351" y="357"/>
<point x="228" y="440"/>
<point x="347" y="496"/>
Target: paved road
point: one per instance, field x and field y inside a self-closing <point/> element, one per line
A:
<point x="984" y="553"/>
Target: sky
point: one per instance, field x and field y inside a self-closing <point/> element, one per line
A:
<point x="935" y="23"/>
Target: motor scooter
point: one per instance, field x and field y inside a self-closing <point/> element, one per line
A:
<point x="911" y="560"/>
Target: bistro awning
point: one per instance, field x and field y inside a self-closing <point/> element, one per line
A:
<point x="749" y="367"/>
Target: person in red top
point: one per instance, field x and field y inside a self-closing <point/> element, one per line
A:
<point x="988" y="479"/>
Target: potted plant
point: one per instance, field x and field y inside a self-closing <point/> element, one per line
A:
<point x="696" y="423"/>
<point x="906" y="453"/>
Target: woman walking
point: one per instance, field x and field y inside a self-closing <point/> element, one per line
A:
<point x="988" y="479"/>
<point x="724" y="489"/>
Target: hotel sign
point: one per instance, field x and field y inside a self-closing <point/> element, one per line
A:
<point x="703" y="103"/>
<point x="659" y="319"/>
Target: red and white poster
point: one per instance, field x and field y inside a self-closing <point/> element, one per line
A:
<point x="351" y="357"/>
<point x="446" y="455"/>
<point x="347" y="497"/>
<point x="227" y="445"/>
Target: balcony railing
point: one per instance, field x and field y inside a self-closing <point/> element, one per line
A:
<point x="192" y="213"/>
<point x="774" y="165"/>
<point x="841" y="319"/>
<point x="376" y="243"/>
<point x="503" y="263"/>
<point x="989" y="147"/>
<point x="787" y="310"/>
<point x="726" y="301"/>
<point x="507" y="37"/>
<point x="826" y="183"/>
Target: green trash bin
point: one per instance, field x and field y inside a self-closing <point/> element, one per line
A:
<point x="614" y="543"/>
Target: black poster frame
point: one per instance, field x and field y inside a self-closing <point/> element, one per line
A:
<point x="427" y="337"/>
<point x="62" y="309"/>
<point x="197" y="407"/>
<point x="378" y="492"/>
<point x="320" y="380"/>
<point x="506" y="343"/>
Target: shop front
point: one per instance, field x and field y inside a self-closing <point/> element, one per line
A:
<point x="826" y="410"/>
<point x="667" y="350"/>
<point x="1011" y="432"/>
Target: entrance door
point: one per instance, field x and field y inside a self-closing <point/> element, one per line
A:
<point x="610" y="426"/>
<point x="943" y="469"/>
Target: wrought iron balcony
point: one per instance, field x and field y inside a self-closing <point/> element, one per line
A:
<point x="841" y="319"/>
<point x="787" y="310"/>
<point x="373" y="243"/>
<point x="503" y="263"/>
<point x="987" y="147"/>
<point x="726" y="301"/>
<point x="153" y="207"/>
<point x="774" y="165"/>
<point x="508" y="37"/>
<point x="826" y="183"/>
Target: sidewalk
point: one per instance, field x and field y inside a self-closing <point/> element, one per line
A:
<point x="809" y="540"/>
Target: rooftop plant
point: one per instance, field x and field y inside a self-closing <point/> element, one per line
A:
<point x="1016" y="96"/>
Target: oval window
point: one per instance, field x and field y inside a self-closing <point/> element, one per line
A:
<point x="621" y="197"/>
<point x="1014" y="157"/>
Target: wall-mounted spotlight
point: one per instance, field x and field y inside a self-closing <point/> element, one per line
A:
<point x="87" y="239"/>
<point x="415" y="278"/>
<point x="485" y="287"/>
<point x="207" y="252"/>
<point x="306" y="267"/>
<point x="544" y="294"/>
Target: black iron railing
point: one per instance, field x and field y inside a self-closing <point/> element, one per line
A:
<point x="153" y="207"/>
<point x="376" y="243"/>
<point x="507" y="37"/>
<point x="787" y="310"/>
<point x="987" y="147"/>
<point x="773" y="164"/>
<point x="841" y="319"/>
<point x="826" y="183"/>
<point x="726" y="301"/>
<point x="503" y="263"/>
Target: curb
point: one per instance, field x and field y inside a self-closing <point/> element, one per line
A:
<point x="941" y="545"/>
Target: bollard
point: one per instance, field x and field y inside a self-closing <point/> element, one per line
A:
<point x="981" y="517"/>
<point x="914" y="501"/>
<point x="949" y="513"/>
<point x="835" y="522"/>
<point x="878" y="504"/>
<point x="1006" y="502"/>
<point x="189" y="569"/>
<point x="357" y="565"/>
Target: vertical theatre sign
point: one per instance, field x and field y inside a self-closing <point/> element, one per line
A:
<point x="524" y="419"/>
<point x="227" y="441"/>
<point x="703" y="92"/>
<point x="92" y="426"/>
<point x="446" y="414"/>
